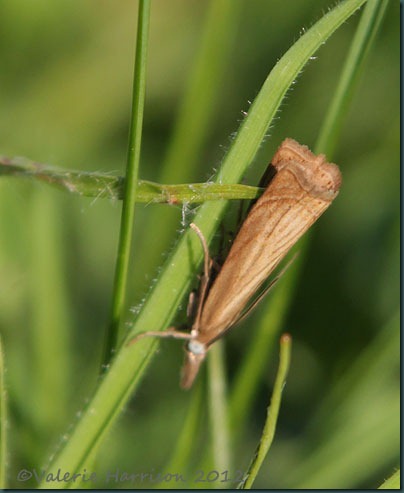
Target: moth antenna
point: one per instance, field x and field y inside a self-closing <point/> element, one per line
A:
<point x="207" y="260"/>
<point x="206" y="274"/>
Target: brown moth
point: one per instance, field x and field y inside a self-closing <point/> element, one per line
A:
<point x="301" y="190"/>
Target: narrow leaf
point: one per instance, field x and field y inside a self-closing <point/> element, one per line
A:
<point x="268" y="432"/>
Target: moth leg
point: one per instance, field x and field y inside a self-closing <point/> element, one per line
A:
<point x="170" y="332"/>
<point x="207" y="259"/>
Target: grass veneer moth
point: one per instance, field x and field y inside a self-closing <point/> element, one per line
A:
<point x="302" y="188"/>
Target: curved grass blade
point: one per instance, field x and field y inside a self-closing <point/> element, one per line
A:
<point x="268" y="432"/>
<point x="392" y="483"/>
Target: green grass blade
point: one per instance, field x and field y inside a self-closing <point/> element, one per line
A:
<point x="84" y="183"/>
<point x="359" y="420"/>
<point x="127" y="368"/>
<point x="268" y="432"/>
<point x="393" y="483"/>
<point x="3" y="422"/>
<point x="360" y="47"/>
<point x="266" y="104"/>
<point x="131" y="179"/>
<point x="102" y="185"/>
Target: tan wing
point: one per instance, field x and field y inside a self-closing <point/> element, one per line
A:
<point x="300" y="192"/>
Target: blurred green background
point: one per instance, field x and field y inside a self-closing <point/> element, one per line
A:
<point x="66" y="76"/>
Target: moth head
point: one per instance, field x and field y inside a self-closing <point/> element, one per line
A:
<point x="195" y="353"/>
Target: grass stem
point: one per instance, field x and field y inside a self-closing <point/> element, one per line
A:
<point x="131" y="179"/>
